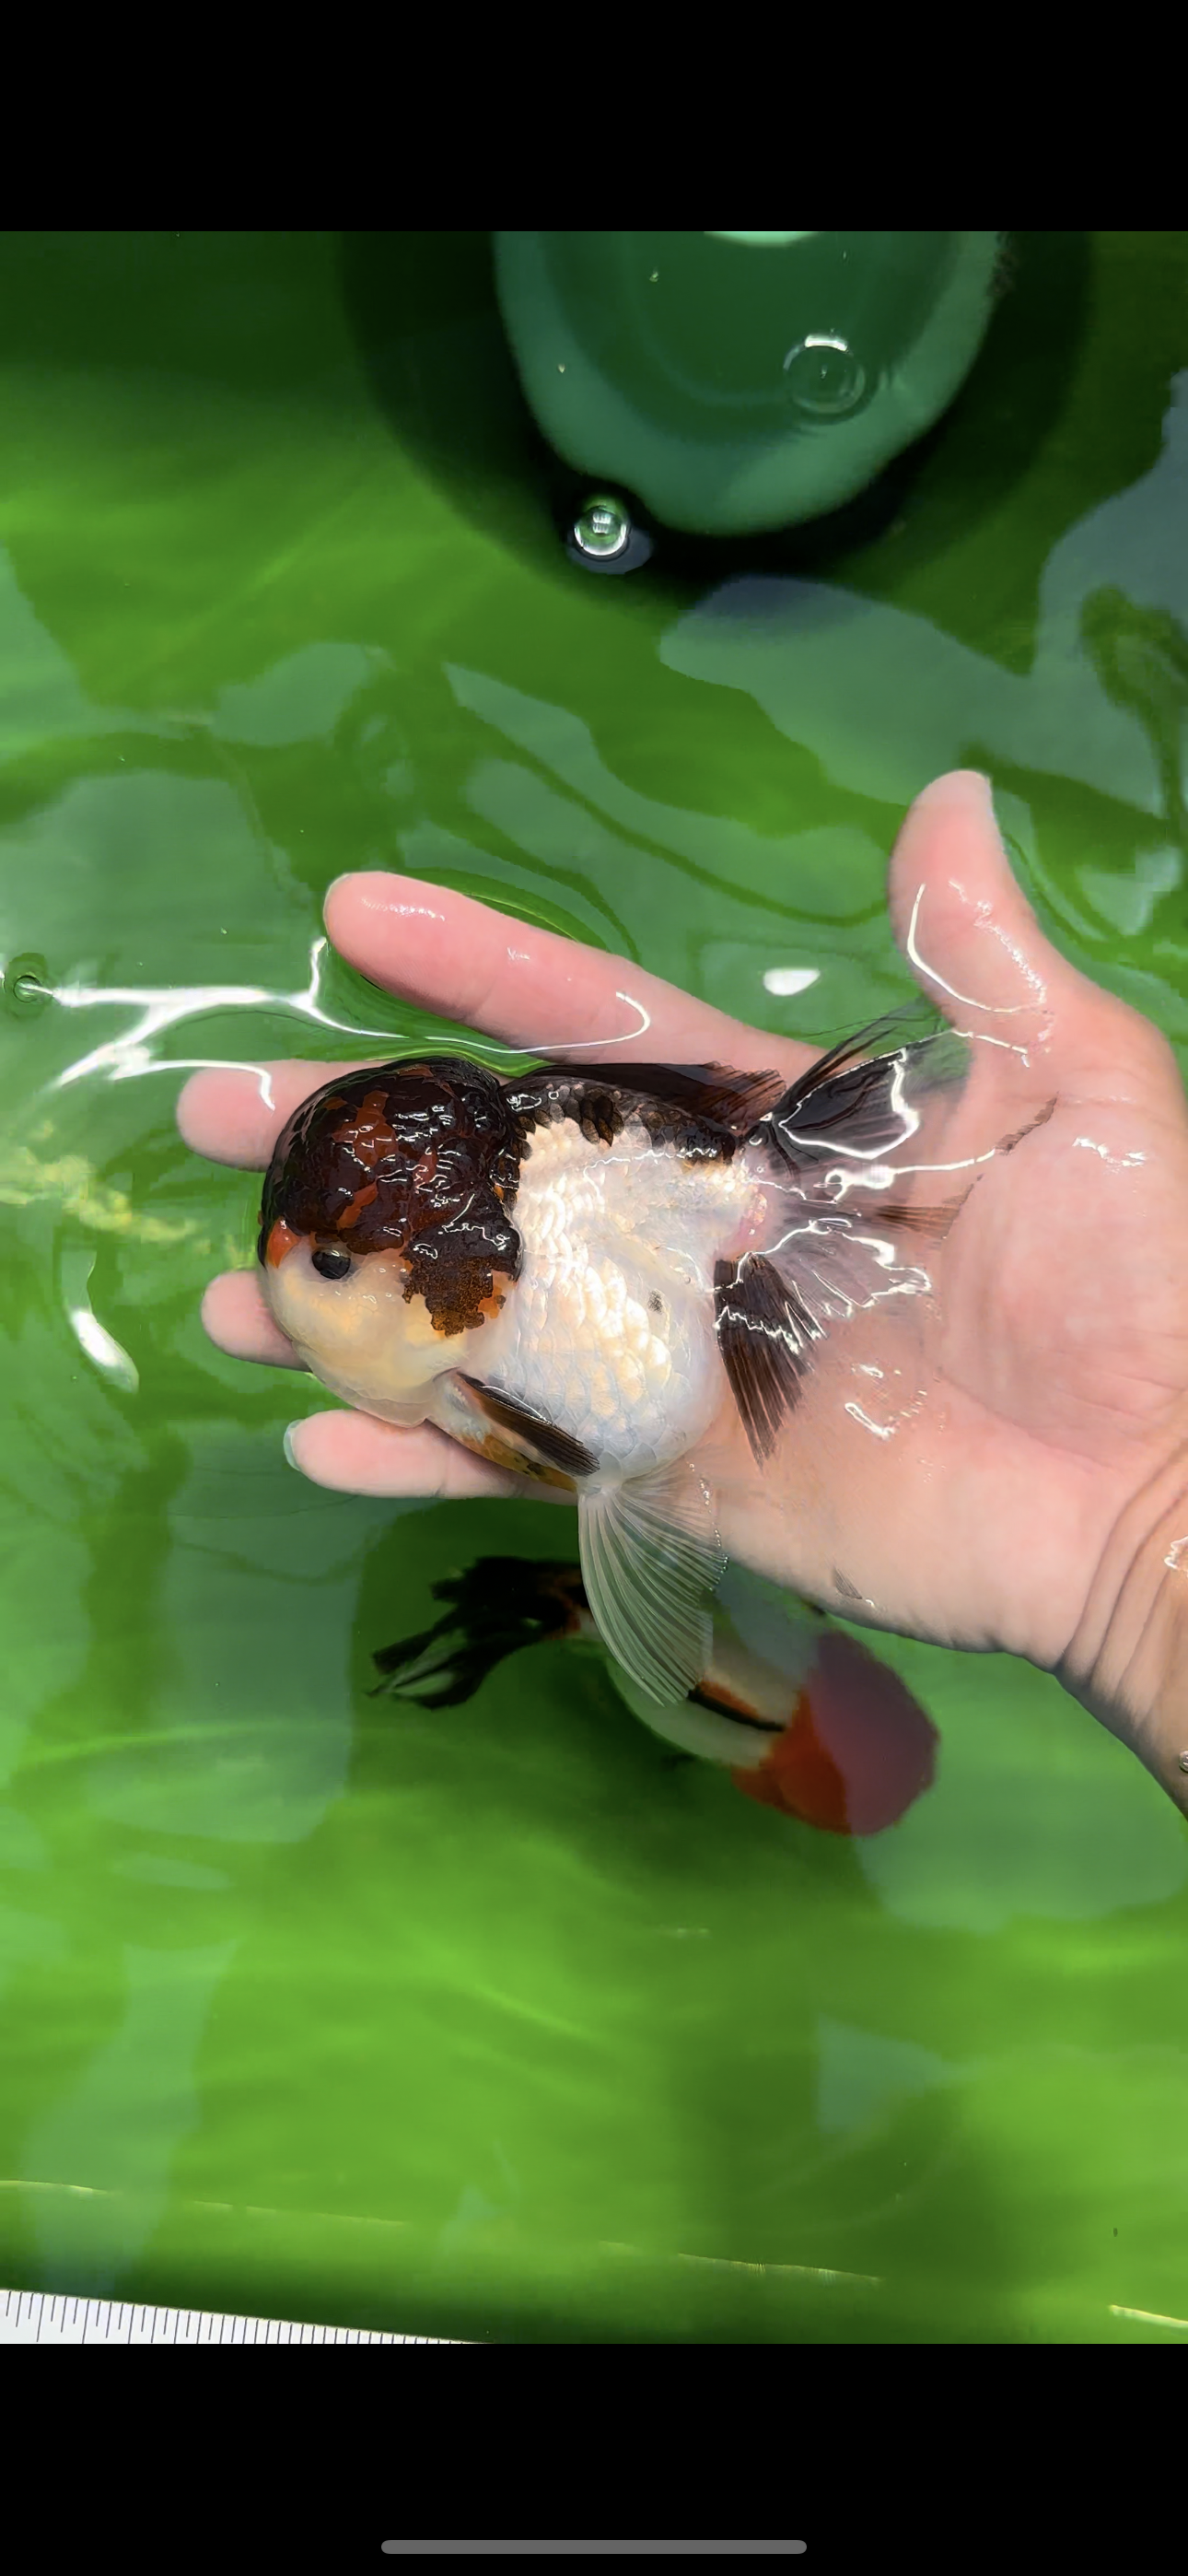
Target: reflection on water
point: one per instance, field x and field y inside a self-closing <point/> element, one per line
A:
<point x="885" y="700"/>
<point x="533" y="2013"/>
<point x="91" y="1336"/>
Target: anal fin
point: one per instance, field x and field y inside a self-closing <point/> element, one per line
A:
<point x="651" y="1563"/>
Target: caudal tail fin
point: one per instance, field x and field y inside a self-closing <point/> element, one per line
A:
<point x="847" y="1144"/>
<point x="867" y="1105"/>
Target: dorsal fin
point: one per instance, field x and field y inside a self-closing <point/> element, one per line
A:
<point x="694" y="1105"/>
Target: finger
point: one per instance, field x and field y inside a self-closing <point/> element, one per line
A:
<point x="965" y="925"/>
<point x="237" y="1319"/>
<point x="977" y="949"/>
<point x="234" y="1113"/>
<point x="352" y="1454"/>
<point x="531" y="989"/>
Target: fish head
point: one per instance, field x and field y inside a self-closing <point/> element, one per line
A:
<point x="386" y="1239"/>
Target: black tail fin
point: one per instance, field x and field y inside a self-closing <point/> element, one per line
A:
<point x="861" y="1106"/>
<point x="834" y="1138"/>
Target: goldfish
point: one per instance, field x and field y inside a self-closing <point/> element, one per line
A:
<point x="803" y="1716"/>
<point x="568" y="1271"/>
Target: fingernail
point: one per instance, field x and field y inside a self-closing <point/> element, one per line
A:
<point x="287" y="1445"/>
<point x="942" y="788"/>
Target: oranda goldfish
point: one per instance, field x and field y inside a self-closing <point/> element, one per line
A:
<point x="566" y="1270"/>
<point x="804" y="1717"/>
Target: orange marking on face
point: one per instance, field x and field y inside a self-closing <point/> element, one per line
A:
<point x="280" y="1241"/>
<point x="362" y="1199"/>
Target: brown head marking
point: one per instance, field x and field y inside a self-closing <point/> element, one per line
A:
<point x="422" y="1159"/>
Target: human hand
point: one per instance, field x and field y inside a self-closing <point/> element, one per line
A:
<point x="1032" y="1492"/>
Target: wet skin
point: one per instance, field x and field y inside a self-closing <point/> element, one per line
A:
<point x="1028" y="1484"/>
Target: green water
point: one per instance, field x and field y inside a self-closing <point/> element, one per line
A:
<point x="492" y="2023"/>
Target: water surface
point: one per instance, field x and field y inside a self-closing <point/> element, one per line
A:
<point x="495" y="2023"/>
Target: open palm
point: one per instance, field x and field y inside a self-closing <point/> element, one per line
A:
<point x="1003" y="1464"/>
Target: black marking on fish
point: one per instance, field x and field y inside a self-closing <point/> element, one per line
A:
<point x="558" y="1448"/>
<point x="422" y="1157"/>
<point x="849" y="1591"/>
<point x="704" y="1111"/>
<point x="705" y="1697"/>
<point x="765" y="1333"/>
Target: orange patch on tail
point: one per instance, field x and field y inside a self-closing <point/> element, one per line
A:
<point x="859" y="1749"/>
<point x="799" y="1776"/>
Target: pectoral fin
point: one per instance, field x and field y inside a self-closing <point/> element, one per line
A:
<point x="651" y="1563"/>
<point x="507" y="1433"/>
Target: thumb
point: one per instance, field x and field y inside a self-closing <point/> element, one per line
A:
<point x="978" y="952"/>
<point x="966" y="928"/>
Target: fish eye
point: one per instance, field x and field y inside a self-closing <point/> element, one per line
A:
<point x="331" y="1261"/>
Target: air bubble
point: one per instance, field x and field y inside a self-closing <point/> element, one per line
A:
<point x="602" y="529"/>
<point x="825" y="379"/>
<point x="25" y="987"/>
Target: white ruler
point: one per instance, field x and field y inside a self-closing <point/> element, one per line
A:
<point x="27" y="2317"/>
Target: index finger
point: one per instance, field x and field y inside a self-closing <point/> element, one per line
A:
<point x="533" y="990"/>
<point x="233" y="1113"/>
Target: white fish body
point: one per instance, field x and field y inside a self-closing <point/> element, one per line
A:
<point x="570" y="1272"/>
<point x="609" y="1332"/>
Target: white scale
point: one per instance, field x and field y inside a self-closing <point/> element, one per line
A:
<point x="26" y="2316"/>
